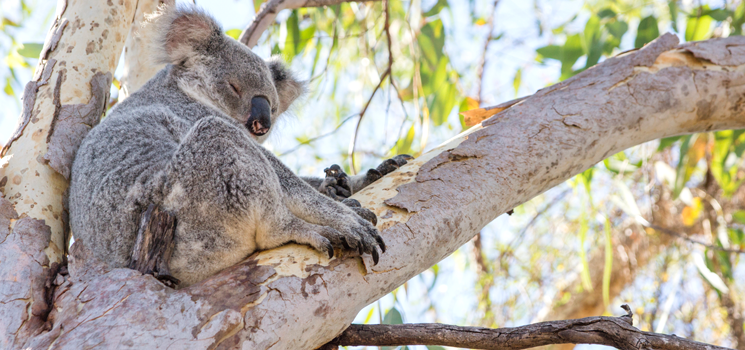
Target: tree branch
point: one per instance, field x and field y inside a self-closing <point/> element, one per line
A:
<point x="293" y="297"/>
<point x="269" y="11"/>
<point x="611" y="331"/>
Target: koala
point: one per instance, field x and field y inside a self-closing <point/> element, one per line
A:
<point x="189" y="141"/>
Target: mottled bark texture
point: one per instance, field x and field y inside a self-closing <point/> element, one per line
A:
<point x="64" y="99"/>
<point x="294" y="298"/>
<point x="611" y="331"/>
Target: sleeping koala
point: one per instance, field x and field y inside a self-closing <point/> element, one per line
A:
<point x="188" y="141"/>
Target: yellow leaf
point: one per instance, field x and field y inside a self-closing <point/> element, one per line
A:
<point x="234" y="33"/>
<point x="480" y="22"/>
<point x="14" y="60"/>
<point x="692" y="212"/>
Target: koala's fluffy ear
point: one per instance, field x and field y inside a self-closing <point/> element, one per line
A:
<point x="182" y="31"/>
<point x="289" y="88"/>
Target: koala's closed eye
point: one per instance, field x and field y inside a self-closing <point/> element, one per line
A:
<point x="235" y="88"/>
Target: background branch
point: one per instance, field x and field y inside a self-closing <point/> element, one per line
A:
<point x="269" y="11"/>
<point x="612" y="331"/>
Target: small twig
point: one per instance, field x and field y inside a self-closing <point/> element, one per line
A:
<point x="269" y="11"/>
<point x="482" y="62"/>
<point x="612" y="331"/>
<point x="353" y="142"/>
<point x="684" y="237"/>
<point x="309" y="141"/>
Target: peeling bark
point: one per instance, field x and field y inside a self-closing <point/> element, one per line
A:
<point x="64" y="99"/>
<point x="58" y="109"/>
<point x="293" y="297"/>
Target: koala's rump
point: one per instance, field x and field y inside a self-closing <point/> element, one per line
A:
<point x="117" y="170"/>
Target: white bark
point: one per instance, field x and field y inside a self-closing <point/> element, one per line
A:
<point x="84" y="41"/>
<point x="67" y="95"/>
<point x="138" y="66"/>
<point x="294" y="298"/>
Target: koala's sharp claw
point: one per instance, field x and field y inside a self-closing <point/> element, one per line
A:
<point x="375" y="256"/>
<point x="381" y="243"/>
<point x="330" y="250"/>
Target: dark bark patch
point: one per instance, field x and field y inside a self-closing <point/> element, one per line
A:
<point x="53" y="37"/>
<point x="72" y="122"/>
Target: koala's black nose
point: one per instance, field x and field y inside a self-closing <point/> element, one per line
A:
<point x="260" y="119"/>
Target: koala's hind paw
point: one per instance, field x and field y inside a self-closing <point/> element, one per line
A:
<point x="364" y="213"/>
<point x="336" y="184"/>
<point x="390" y="165"/>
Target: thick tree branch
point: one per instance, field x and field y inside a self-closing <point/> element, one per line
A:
<point x="295" y="298"/>
<point x="611" y="331"/>
<point x="269" y="11"/>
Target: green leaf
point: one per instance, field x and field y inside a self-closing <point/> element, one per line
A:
<point x="673" y="8"/>
<point x="403" y="146"/>
<point x="719" y="14"/>
<point x="436" y="8"/>
<point x="517" y="80"/>
<point x="698" y="27"/>
<point x="680" y="178"/>
<point x="739" y="216"/>
<point x="442" y="103"/>
<point x="431" y="42"/>
<point x="647" y="31"/>
<point x="550" y="51"/>
<point x="619" y="163"/>
<point x="593" y="47"/>
<point x="8" y="88"/>
<point x="234" y="33"/>
<point x="608" y="268"/>
<point x="667" y="142"/>
<point x="617" y="28"/>
<point x="572" y="51"/>
<point x="30" y="50"/>
<point x="606" y="13"/>
<point x="736" y="236"/>
<point x="392" y="317"/>
<point x="583" y="229"/>
<point x="257" y="5"/>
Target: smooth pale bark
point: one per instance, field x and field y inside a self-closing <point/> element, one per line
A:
<point x="138" y="66"/>
<point x="294" y="298"/>
<point x="67" y="95"/>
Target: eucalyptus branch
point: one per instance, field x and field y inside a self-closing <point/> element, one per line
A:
<point x="269" y="11"/>
<point x="611" y="331"/>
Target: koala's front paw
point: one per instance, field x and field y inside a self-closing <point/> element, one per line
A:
<point x="364" y="213"/>
<point x="362" y="236"/>
<point x="336" y="184"/>
<point x="389" y="165"/>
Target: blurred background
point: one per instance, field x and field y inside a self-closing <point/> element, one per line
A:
<point x="658" y="226"/>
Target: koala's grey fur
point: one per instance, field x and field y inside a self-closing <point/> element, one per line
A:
<point x="181" y="142"/>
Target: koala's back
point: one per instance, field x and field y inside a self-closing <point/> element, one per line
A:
<point x="120" y="167"/>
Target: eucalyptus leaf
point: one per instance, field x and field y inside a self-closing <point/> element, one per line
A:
<point x="646" y="31"/>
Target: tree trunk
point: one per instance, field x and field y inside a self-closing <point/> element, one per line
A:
<point x="295" y="298"/>
<point x="66" y="97"/>
<point x="138" y="67"/>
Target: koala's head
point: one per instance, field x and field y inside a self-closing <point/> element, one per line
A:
<point x="220" y="72"/>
